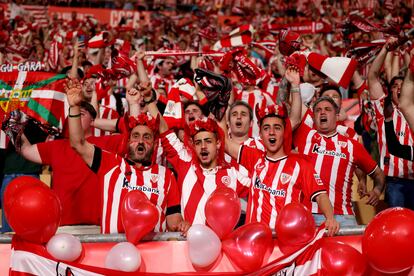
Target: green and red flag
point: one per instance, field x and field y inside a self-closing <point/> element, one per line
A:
<point x="39" y="95"/>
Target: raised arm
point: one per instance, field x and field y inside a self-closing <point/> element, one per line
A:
<point x="141" y="71"/>
<point x="375" y="87"/>
<point x="76" y="134"/>
<point x="74" y="70"/>
<point x="295" y="114"/>
<point x="231" y="147"/>
<point x="406" y="104"/>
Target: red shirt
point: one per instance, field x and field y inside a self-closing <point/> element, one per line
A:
<point x="276" y="183"/>
<point x="73" y="182"/>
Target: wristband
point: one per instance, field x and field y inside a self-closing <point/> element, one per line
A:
<point x="295" y="89"/>
<point x="73" y="116"/>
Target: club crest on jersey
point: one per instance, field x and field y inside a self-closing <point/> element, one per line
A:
<point x="342" y="144"/>
<point x="225" y="180"/>
<point x="285" y="178"/>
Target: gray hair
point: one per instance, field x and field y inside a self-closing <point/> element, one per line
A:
<point x="326" y="99"/>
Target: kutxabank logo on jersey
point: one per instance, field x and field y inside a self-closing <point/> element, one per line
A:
<point x="318" y="149"/>
<point x="275" y="192"/>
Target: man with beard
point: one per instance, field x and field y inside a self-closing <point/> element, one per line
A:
<point x="72" y="181"/>
<point x="118" y="175"/>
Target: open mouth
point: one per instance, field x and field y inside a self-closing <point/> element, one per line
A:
<point x="190" y="119"/>
<point x="204" y="154"/>
<point x="140" y="149"/>
<point x="323" y="120"/>
<point x="272" y="141"/>
<point x="238" y="124"/>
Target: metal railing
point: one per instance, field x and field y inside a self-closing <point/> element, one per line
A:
<point x="164" y="236"/>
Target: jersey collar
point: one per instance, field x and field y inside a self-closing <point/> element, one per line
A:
<point x="329" y="136"/>
<point x="275" y="160"/>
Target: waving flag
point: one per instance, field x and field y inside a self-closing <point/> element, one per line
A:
<point x="37" y="94"/>
<point x="240" y="36"/>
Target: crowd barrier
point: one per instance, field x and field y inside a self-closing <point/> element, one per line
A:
<point x="165" y="252"/>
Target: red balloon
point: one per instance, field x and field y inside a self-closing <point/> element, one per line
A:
<point x="295" y="227"/>
<point x="388" y="240"/>
<point x="249" y="246"/>
<point x="223" y="222"/>
<point x="138" y="215"/>
<point x="33" y="212"/>
<point x="341" y="259"/>
<point x="17" y="184"/>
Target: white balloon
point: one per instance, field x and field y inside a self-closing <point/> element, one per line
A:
<point x="204" y="246"/>
<point x="64" y="247"/>
<point x="124" y="256"/>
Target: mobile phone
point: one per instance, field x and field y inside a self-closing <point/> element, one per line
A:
<point x="81" y="41"/>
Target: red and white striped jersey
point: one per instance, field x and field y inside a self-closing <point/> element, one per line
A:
<point x="256" y="96"/>
<point x="105" y="113"/>
<point x="158" y="82"/>
<point x="341" y="129"/>
<point x="110" y="101"/>
<point x="334" y="158"/>
<point x="271" y="86"/>
<point x="390" y="164"/>
<point x="117" y="177"/>
<point x="254" y="143"/>
<point x="195" y="183"/>
<point x="277" y="182"/>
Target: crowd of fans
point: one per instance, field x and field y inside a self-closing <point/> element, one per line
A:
<point x="247" y="104"/>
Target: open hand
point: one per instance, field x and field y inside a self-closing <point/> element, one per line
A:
<point x="73" y="91"/>
<point x="292" y="75"/>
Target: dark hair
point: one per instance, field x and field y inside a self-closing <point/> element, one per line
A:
<point x="203" y="109"/>
<point x="326" y="99"/>
<point x="86" y="63"/>
<point x="242" y="103"/>
<point x="88" y="107"/>
<point x="272" y="115"/>
<point x="327" y="87"/>
<point x="68" y="68"/>
<point x="393" y="80"/>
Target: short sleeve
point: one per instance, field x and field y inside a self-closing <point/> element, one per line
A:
<point x="248" y="157"/>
